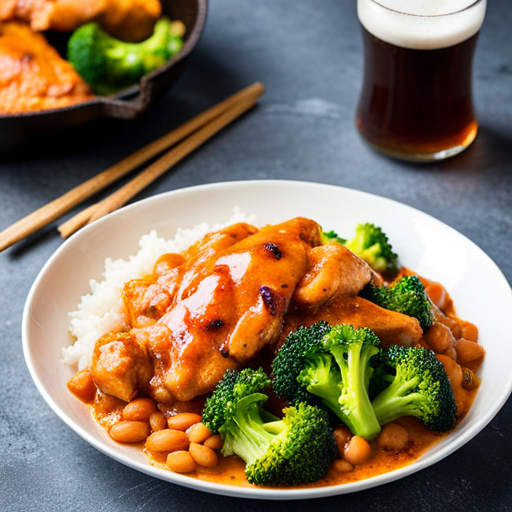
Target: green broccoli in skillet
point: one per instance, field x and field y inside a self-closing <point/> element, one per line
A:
<point x="109" y="65"/>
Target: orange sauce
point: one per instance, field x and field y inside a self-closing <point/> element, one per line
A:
<point x="230" y="470"/>
<point x="108" y="410"/>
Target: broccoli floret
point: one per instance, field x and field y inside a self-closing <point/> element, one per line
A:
<point x="331" y="366"/>
<point x="303" y="348"/>
<point x="233" y="387"/>
<point x="109" y="65"/>
<point x="380" y="378"/>
<point x="331" y="238"/>
<point x="407" y="296"/>
<point x="372" y="245"/>
<point x="298" y="448"/>
<point x="420" y="388"/>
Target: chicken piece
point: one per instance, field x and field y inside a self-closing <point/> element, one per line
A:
<point x="236" y="287"/>
<point x="129" y="20"/>
<point x="392" y="328"/>
<point x="201" y="257"/>
<point x="63" y="15"/>
<point x="189" y="342"/>
<point x="266" y="269"/>
<point x="192" y="302"/>
<point x="334" y="270"/>
<point x="167" y="272"/>
<point x="33" y="76"/>
<point x="144" y="301"/>
<point x="231" y="305"/>
<point x="120" y="366"/>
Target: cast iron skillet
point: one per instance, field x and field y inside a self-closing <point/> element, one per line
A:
<point x="18" y="129"/>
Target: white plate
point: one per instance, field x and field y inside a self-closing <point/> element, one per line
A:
<point x="480" y="291"/>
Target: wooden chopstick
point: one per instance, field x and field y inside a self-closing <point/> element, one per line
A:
<point x="77" y="221"/>
<point x="160" y="166"/>
<point x="58" y="207"/>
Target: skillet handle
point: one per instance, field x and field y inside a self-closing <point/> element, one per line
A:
<point x="129" y="109"/>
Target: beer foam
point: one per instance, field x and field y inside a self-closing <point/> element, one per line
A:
<point x="422" y="24"/>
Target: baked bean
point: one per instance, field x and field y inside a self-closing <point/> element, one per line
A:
<point x="453" y="370"/>
<point x="82" y="385"/>
<point x="437" y="294"/>
<point x="393" y="437"/>
<point x="357" y="450"/>
<point x="198" y="433"/>
<point x="139" y="409"/>
<point x="469" y="331"/>
<point x="451" y="322"/>
<point x="181" y="462"/>
<point x="451" y="353"/>
<point x="214" y="442"/>
<point x="342" y="436"/>
<point x="157" y="421"/>
<point x="439" y="338"/>
<point x="129" y="431"/>
<point x="183" y="421"/>
<point x="342" y="466"/>
<point x="162" y="395"/>
<point x="455" y="375"/>
<point x="468" y="351"/>
<point x="469" y="380"/>
<point x="167" y="441"/>
<point x="203" y="455"/>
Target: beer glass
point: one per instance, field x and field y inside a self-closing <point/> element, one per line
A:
<point x="416" y="100"/>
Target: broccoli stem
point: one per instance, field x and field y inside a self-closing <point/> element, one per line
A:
<point x="355" y="404"/>
<point x="396" y="400"/>
<point x="248" y="439"/>
<point x="274" y="427"/>
<point x="323" y="381"/>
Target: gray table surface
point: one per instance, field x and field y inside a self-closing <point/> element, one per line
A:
<point x="308" y="54"/>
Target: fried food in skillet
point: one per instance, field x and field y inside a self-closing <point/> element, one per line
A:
<point x="33" y="76"/>
<point x="129" y="20"/>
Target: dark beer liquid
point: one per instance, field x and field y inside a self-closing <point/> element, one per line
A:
<point x="417" y="102"/>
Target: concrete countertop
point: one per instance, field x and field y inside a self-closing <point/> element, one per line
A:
<point x="309" y="56"/>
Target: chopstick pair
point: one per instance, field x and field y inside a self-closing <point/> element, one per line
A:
<point x="190" y="136"/>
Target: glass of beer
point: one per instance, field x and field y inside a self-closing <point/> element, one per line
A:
<point x="416" y="101"/>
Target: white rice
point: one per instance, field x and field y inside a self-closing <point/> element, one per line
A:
<point x="102" y="310"/>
